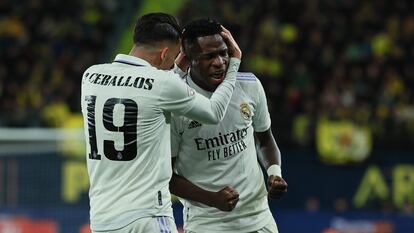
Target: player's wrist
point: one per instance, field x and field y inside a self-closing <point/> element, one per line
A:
<point x="235" y="60"/>
<point x="236" y="54"/>
<point x="233" y="67"/>
<point x="274" y="170"/>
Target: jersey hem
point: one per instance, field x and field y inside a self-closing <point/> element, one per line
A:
<point x="207" y="228"/>
<point x="125" y="222"/>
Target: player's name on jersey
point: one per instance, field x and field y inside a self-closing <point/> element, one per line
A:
<point x="223" y="145"/>
<point x="120" y="81"/>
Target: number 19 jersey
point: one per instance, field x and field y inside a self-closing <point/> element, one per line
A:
<point x="126" y="107"/>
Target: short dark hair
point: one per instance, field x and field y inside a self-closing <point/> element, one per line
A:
<point x="199" y="28"/>
<point x="156" y="27"/>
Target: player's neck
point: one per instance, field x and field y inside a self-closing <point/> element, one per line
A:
<point x="145" y="54"/>
<point x="196" y="79"/>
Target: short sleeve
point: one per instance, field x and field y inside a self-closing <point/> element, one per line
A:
<point x="176" y="134"/>
<point x="261" y="118"/>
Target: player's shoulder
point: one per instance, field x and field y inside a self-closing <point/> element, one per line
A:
<point x="246" y="77"/>
<point x="103" y="68"/>
<point x="163" y="74"/>
<point x="95" y="67"/>
<point x="248" y="81"/>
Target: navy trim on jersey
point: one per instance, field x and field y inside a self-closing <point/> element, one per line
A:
<point x="246" y="79"/>
<point x="127" y="62"/>
<point x="246" y="76"/>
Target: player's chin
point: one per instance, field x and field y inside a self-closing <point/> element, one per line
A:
<point x="216" y="79"/>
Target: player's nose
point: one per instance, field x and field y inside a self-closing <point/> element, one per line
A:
<point x="218" y="61"/>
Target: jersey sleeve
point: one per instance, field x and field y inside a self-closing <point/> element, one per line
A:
<point x="261" y="118"/>
<point x="179" y="98"/>
<point x="176" y="133"/>
<point x="179" y="71"/>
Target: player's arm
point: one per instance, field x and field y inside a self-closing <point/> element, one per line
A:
<point x="270" y="158"/>
<point x="268" y="151"/>
<point x="224" y="200"/>
<point x="181" y="64"/>
<point x="185" y="101"/>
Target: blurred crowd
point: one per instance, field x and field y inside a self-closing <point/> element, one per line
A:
<point x="320" y="59"/>
<point x="317" y="59"/>
<point x="45" y="45"/>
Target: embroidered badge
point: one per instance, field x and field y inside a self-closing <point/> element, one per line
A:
<point x="245" y="111"/>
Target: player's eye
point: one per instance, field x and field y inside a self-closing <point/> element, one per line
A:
<point x="223" y="53"/>
<point x="211" y="56"/>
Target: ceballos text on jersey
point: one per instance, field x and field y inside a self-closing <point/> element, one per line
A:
<point x="108" y="80"/>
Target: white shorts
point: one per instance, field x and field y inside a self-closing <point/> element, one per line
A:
<point x="160" y="224"/>
<point x="271" y="227"/>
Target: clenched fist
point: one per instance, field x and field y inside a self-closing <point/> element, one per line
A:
<point x="225" y="199"/>
<point x="277" y="186"/>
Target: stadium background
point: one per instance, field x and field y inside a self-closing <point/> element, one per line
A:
<point x="339" y="77"/>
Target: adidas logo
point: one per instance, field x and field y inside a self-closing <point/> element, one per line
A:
<point x="193" y="124"/>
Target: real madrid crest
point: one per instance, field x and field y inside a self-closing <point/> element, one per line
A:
<point x="245" y="111"/>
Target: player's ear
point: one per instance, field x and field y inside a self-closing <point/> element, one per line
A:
<point x="163" y="53"/>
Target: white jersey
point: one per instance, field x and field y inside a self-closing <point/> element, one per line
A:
<point x="215" y="156"/>
<point x="127" y="106"/>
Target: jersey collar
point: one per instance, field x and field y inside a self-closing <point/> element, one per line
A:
<point x="130" y="60"/>
<point x="198" y="89"/>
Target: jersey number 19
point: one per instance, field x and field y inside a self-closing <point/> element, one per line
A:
<point x="129" y="129"/>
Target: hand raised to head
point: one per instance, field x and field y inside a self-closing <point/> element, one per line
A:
<point x="233" y="47"/>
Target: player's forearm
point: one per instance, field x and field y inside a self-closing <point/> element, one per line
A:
<point x="222" y="95"/>
<point x="271" y="159"/>
<point x="270" y="155"/>
<point x="183" y="188"/>
<point x="212" y="111"/>
<point x="269" y="152"/>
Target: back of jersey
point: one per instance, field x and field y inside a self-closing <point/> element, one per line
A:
<point x="128" y="143"/>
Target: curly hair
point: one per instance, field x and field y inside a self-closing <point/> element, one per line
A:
<point x="199" y="28"/>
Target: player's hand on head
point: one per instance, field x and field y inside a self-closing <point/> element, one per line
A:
<point x="233" y="48"/>
<point x="277" y="186"/>
<point x="226" y="199"/>
<point x="182" y="61"/>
